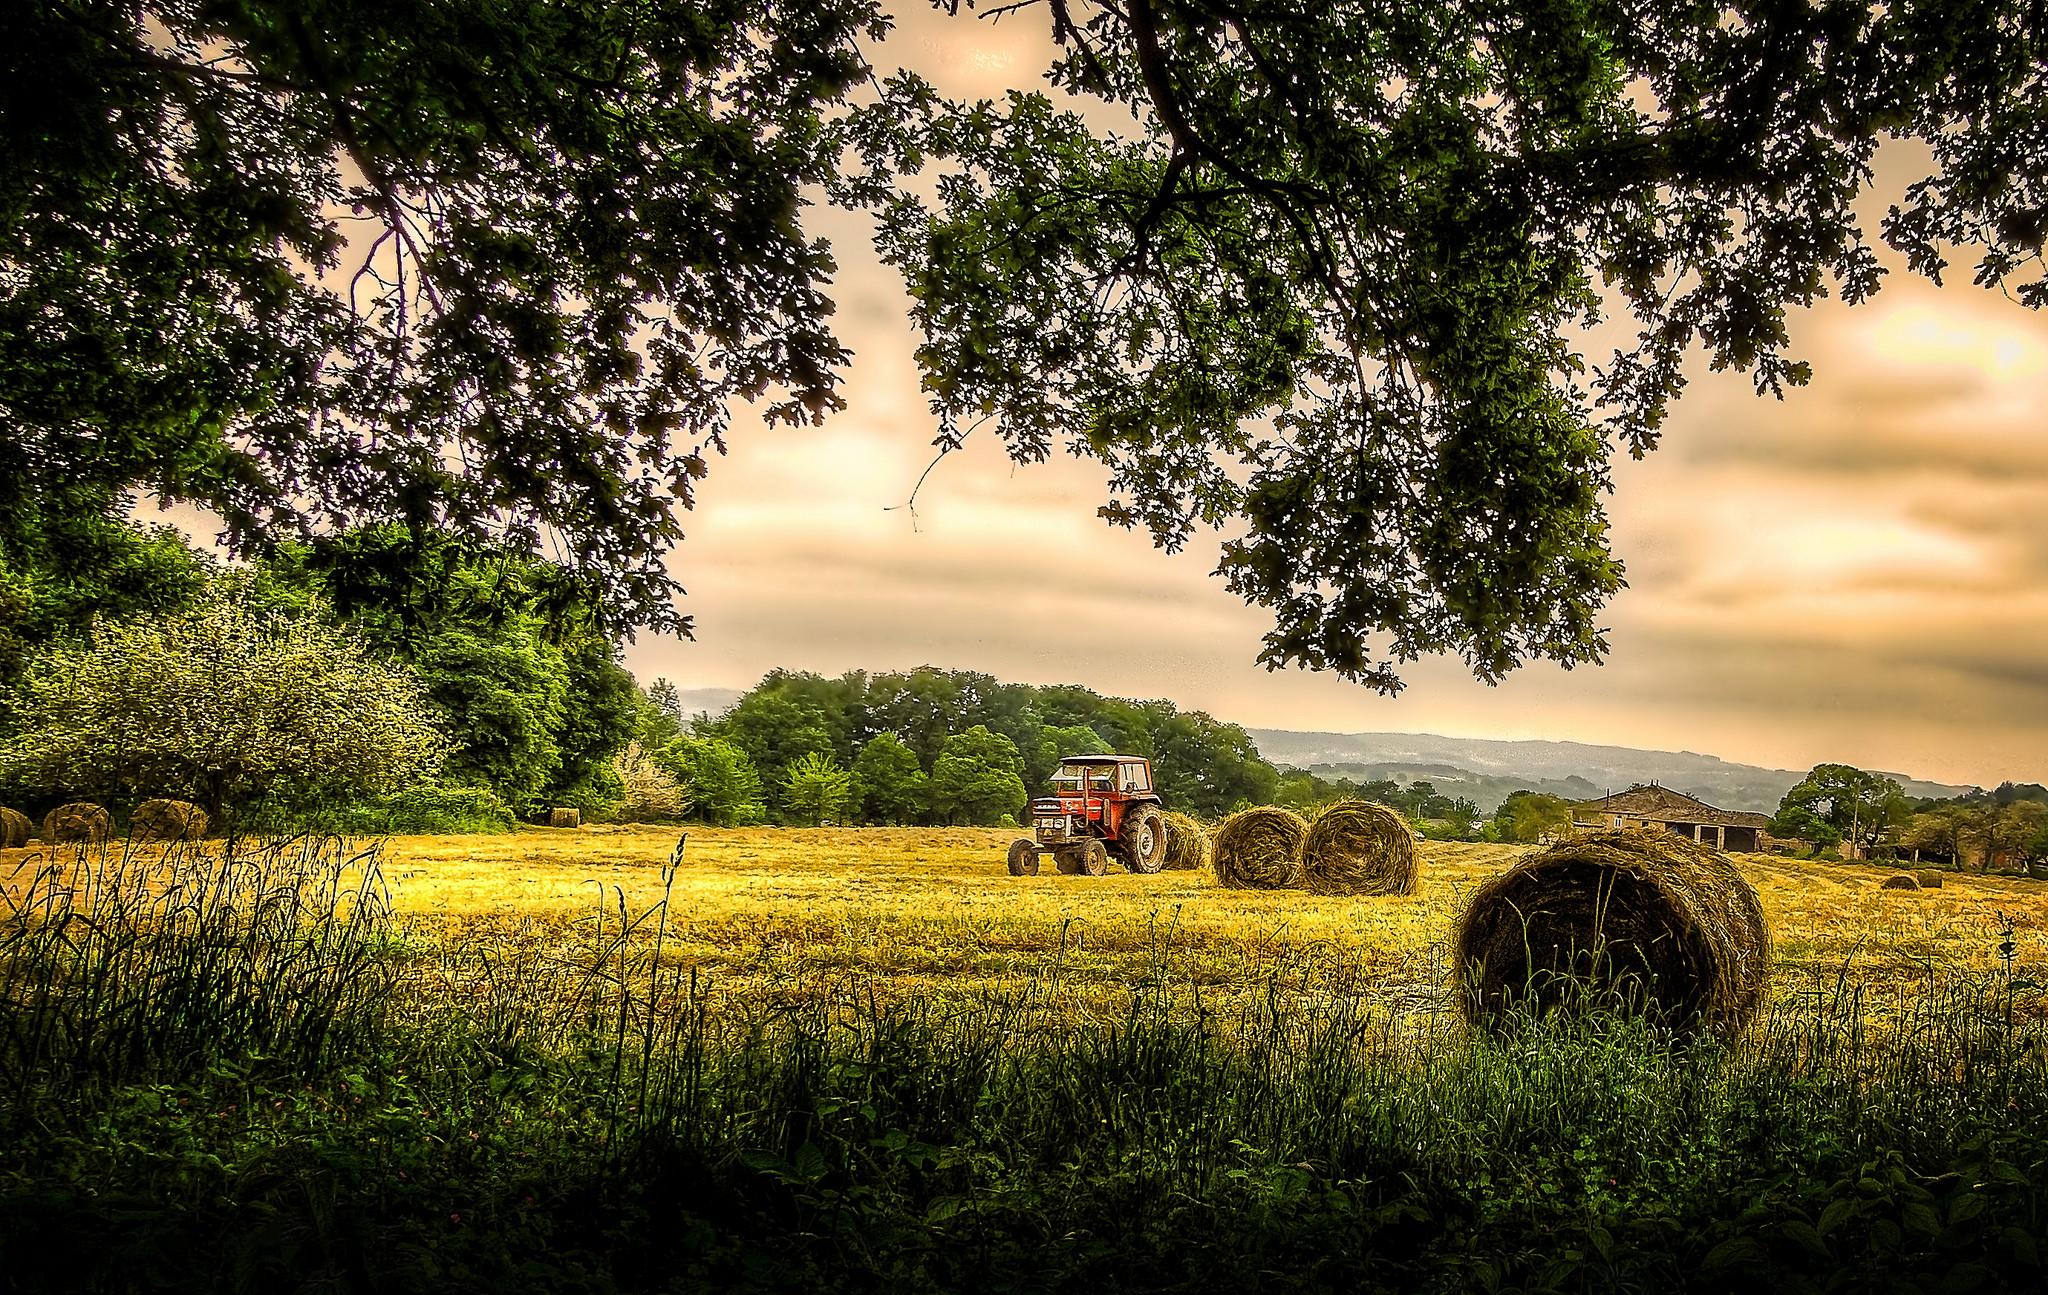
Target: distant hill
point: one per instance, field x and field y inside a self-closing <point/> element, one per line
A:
<point x="709" y="701"/>
<point x="1487" y="769"/>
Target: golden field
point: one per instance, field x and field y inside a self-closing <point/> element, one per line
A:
<point x="790" y="913"/>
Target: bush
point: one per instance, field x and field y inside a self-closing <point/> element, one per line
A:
<point x="424" y="810"/>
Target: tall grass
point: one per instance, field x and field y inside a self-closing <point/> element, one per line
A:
<point x="234" y="1068"/>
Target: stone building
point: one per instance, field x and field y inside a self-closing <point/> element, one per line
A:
<point x="1693" y="819"/>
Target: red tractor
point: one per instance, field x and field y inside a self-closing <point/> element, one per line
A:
<point x="1102" y="805"/>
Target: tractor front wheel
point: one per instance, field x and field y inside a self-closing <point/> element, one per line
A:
<point x="1143" y="839"/>
<point x="1023" y="858"/>
<point x="1092" y="857"/>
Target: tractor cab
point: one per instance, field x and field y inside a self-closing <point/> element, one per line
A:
<point x="1100" y="806"/>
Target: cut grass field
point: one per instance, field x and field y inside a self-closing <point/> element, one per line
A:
<point x="825" y="1060"/>
<point x="791" y="913"/>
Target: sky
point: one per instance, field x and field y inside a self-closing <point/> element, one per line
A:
<point x="1852" y="574"/>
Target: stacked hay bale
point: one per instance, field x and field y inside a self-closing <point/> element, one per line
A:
<point x="81" y="820"/>
<point x="1259" y="849"/>
<point x="1900" y="881"/>
<point x="167" y="820"/>
<point x="1358" y="848"/>
<point x="1928" y="878"/>
<point x="1640" y="920"/>
<point x="15" y="828"/>
<point x="1187" y="844"/>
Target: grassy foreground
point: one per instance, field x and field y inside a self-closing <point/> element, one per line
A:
<point x="873" y="1061"/>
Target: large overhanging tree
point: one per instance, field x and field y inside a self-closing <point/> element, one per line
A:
<point x="495" y="266"/>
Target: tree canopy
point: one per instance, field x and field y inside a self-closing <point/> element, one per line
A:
<point x="505" y="268"/>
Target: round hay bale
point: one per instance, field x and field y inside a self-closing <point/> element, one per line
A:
<point x="1357" y="848"/>
<point x="1929" y="879"/>
<point x="1187" y="844"/>
<point x="81" y="820"/>
<point x="1901" y="881"/>
<point x="1642" y="921"/>
<point x="1259" y="849"/>
<point x="15" y="828"/>
<point x="167" y="820"/>
<point x="560" y="817"/>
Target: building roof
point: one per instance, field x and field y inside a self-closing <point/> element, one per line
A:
<point x="1666" y="805"/>
<point x="1099" y="759"/>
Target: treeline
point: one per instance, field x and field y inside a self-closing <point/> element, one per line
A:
<point x="932" y="746"/>
<point x="484" y="685"/>
<point x="494" y="670"/>
<point x="1838" y="805"/>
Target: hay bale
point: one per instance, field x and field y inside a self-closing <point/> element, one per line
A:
<point x="1929" y="879"/>
<point x="1637" y="920"/>
<point x="167" y="820"/>
<point x="81" y="820"/>
<point x="15" y="828"/>
<point x="1187" y="844"/>
<point x="565" y="818"/>
<point x="1259" y="849"/>
<point x="1357" y="848"/>
<point x="1901" y="881"/>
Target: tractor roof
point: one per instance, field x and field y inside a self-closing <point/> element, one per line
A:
<point x="1102" y="759"/>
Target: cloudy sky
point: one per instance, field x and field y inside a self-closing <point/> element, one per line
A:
<point x="1852" y="574"/>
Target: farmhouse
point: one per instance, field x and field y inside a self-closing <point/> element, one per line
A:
<point x="1654" y="806"/>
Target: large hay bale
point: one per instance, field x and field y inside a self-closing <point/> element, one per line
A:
<point x="15" y="828"/>
<point x="1901" y="881"/>
<point x="1259" y="849"/>
<point x="1357" y="848"/>
<point x="81" y="820"/>
<point x="1638" y="920"/>
<point x="1187" y="843"/>
<point x="1929" y="879"/>
<point x="167" y="820"/>
<point x="560" y="817"/>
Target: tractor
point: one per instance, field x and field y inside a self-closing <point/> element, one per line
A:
<point x="1102" y="806"/>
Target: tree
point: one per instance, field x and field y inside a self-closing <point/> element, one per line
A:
<point x="221" y="706"/>
<point x="294" y="261"/>
<point x="62" y="566"/>
<point x="2011" y="829"/>
<point x="1327" y="295"/>
<point x="722" y="783"/>
<point x="775" y="731"/>
<point x="816" y="788"/>
<point x="888" y="785"/>
<point x="647" y="791"/>
<point x="511" y="648"/>
<point x="1055" y="743"/>
<point x="1203" y="766"/>
<point x="1857" y="807"/>
<point x="975" y="779"/>
<point x="1529" y="816"/>
<point x="1946" y="831"/>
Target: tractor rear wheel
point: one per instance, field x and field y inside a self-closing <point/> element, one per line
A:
<point x="1143" y="839"/>
<point x="1023" y="858"/>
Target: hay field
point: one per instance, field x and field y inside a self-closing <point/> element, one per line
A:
<point x="787" y="914"/>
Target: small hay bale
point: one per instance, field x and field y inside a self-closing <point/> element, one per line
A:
<point x="15" y="828"/>
<point x="1259" y="849"/>
<point x="1357" y="848"/>
<point x="167" y="820"/>
<point x="1929" y="879"/>
<point x="1901" y="881"/>
<point x="1643" y="921"/>
<point x="81" y="820"/>
<point x="565" y="818"/>
<point x="1187" y="844"/>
